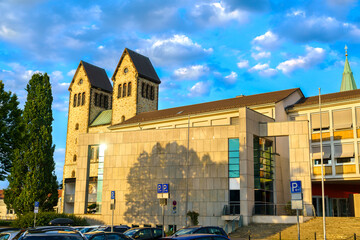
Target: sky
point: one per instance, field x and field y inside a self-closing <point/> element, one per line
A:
<point x="203" y="50"/>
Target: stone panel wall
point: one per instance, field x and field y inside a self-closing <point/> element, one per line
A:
<point x="136" y="161"/>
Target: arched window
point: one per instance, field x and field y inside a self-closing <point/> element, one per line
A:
<point x="77" y="126"/>
<point x="73" y="174"/>
<point x="152" y="93"/>
<point x="83" y="99"/>
<point x="143" y="90"/>
<point x="96" y="99"/>
<point x="124" y="90"/>
<point x="79" y="99"/>
<point x="75" y="140"/>
<point x="123" y="118"/>
<point x="74" y="103"/>
<point x="147" y="91"/>
<point x="119" y="91"/>
<point x="74" y="158"/>
<point x="101" y="102"/>
<point x="106" y="102"/>
<point x="129" y="89"/>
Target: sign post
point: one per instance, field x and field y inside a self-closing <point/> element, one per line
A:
<point x="296" y="200"/>
<point x="112" y="206"/>
<point x="36" y="210"/>
<point x="163" y="195"/>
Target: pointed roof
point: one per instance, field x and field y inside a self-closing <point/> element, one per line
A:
<point x="96" y="75"/>
<point x="348" y="81"/>
<point x="142" y="64"/>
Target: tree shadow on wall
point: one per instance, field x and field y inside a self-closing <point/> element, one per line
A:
<point x="167" y="164"/>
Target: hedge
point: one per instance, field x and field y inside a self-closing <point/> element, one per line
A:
<point x="43" y="219"/>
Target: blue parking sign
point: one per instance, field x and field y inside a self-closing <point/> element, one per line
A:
<point x="37" y="204"/>
<point x="165" y="188"/>
<point x="112" y="194"/>
<point x="159" y="188"/>
<point x="295" y="186"/>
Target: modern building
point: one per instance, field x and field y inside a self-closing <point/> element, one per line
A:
<point x="232" y="156"/>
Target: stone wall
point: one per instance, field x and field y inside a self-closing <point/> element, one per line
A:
<point x="144" y="104"/>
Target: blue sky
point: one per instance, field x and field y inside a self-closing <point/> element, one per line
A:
<point x="202" y="50"/>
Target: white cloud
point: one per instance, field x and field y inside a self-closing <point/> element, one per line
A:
<point x="263" y="70"/>
<point x="216" y="14"/>
<point x="313" y="57"/>
<point x="178" y="48"/>
<point x="231" y="78"/>
<point x="268" y="40"/>
<point x="6" y="32"/>
<point x="199" y="89"/>
<point x="191" y="72"/>
<point x="71" y="73"/>
<point x="296" y="12"/>
<point x="243" y="64"/>
<point x="260" y="55"/>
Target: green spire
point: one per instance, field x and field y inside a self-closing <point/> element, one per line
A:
<point x="348" y="82"/>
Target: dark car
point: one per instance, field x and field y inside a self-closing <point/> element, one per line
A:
<point x="52" y="233"/>
<point x="144" y="233"/>
<point x="106" y="236"/>
<point x="10" y="235"/>
<point x="200" y="237"/>
<point x="200" y="229"/>
<point x="119" y="229"/>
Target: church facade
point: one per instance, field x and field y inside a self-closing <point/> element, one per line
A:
<point x="221" y="159"/>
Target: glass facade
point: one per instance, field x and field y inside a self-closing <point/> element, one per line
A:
<point x="234" y="176"/>
<point x="263" y="176"/>
<point x="95" y="183"/>
<point x="234" y="167"/>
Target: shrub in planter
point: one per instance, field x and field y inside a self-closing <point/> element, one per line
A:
<point x="193" y="217"/>
<point x="43" y="219"/>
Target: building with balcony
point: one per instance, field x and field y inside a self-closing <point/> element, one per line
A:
<point x="230" y="157"/>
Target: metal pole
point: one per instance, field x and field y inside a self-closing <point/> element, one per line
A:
<point x="298" y="223"/>
<point x="112" y="218"/>
<point x="163" y="221"/>
<point x="35" y="220"/>
<point x="187" y="170"/>
<point x="322" y="169"/>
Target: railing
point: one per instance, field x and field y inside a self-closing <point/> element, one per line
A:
<point x="232" y="225"/>
<point x="282" y="209"/>
<point x="231" y="209"/>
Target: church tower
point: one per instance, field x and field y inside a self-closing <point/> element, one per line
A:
<point x="90" y="93"/>
<point x="136" y="87"/>
<point x="348" y="81"/>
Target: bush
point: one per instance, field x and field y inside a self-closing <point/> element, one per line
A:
<point x="6" y="223"/>
<point x="193" y="217"/>
<point x="43" y="219"/>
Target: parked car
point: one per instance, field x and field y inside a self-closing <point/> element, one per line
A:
<point x="117" y="228"/>
<point x="8" y="229"/>
<point x="200" y="237"/>
<point x="10" y="235"/>
<point x="199" y="229"/>
<point x="144" y="233"/>
<point x="52" y="233"/>
<point x="106" y="236"/>
<point x="86" y="229"/>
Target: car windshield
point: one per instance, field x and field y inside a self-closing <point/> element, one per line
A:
<point x="185" y="231"/>
<point x="130" y="232"/>
<point x="55" y="237"/>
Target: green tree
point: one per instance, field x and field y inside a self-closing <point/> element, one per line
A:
<point x="32" y="177"/>
<point x="10" y="129"/>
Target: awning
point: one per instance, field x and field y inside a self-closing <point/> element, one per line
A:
<point x="317" y="155"/>
<point x="344" y="150"/>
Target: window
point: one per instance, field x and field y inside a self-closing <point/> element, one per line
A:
<point x="83" y="99"/>
<point x="73" y="174"/>
<point x="96" y="99"/>
<point x="129" y="89"/>
<point x="234" y="164"/>
<point x="77" y="126"/>
<point x="143" y="90"/>
<point x="357" y="110"/>
<point x="315" y="121"/>
<point x="80" y="82"/>
<point x="152" y="94"/>
<point x="344" y="153"/>
<point x="79" y="99"/>
<point x="106" y="102"/>
<point x="124" y="90"/>
<point x="101" y="102"/>
<point x="234" y="121"/>
<point x="147" y="94"/>
<point x="123" y="118"/>
<point x="74" y="158"/>
<point x="342" y="119"/>
<point x="316" y="155"/>
<point x="74" y="103"/>
<point x="119" y="91"/>
<point x="126" y="70"/>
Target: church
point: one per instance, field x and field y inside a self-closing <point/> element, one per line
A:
<point x="222" y="159"/>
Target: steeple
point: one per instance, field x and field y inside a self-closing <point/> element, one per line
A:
<point x="348" y="82"/>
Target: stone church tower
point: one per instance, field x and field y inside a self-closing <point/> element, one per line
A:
<point x="90" y="93"/>
<point x="136" y="87"/>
